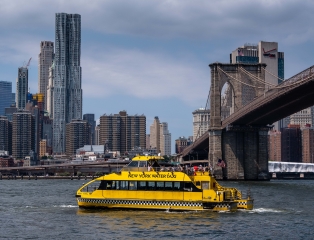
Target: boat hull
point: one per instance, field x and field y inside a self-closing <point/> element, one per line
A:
<point x="155" y="205"/>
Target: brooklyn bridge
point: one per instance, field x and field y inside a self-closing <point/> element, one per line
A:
<point x="240" y="137"/>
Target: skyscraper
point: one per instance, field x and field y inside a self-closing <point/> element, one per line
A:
<point x="121" y="132"/>
<point x="90" y="118"/>
<point x="264" y="52"/>
<point x="160" y="138"/>
<point x="45" y="59"/>
<point x="22" y="134"/>
<point x="200" y="122"/>
<point x="97" y="130"/>
<point x="77" y="134"/>
<point x="21" y="88"/>
<point x="274" y="143"/>
<point x="291" y="144"/>
<point x="155" y="134"/>
<point x="13" y="99"/>
<point x="165" y="139"/>
<point x="5" y="93"/>
<point x="5" y="144"/>
<point x="65" y="73"/>
<point x="307" y="144"/>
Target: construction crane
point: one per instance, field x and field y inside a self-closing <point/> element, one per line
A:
<point x="29" y="61"/>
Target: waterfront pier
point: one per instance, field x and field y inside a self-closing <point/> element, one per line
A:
<point x="59" y="171"/>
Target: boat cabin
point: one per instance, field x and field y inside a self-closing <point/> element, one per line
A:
<point x="143" y="163"/>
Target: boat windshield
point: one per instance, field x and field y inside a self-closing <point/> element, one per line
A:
<point x="92" y="186"/>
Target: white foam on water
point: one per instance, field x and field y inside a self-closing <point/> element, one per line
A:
<point x="66" y="206"/>
<point x="266" y="210"/>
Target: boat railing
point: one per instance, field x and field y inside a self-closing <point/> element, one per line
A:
<point x="236" y="194"/>
<point x="189" y="171"/>
<point x="247" y="194"/>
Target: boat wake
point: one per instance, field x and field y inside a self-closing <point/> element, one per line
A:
<point x="266" y="210"/>
<point x="65" y="206"/>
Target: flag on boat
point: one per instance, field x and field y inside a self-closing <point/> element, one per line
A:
<point x="221" y="163"/>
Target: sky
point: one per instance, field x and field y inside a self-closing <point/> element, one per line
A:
<point x="151" y="57"/>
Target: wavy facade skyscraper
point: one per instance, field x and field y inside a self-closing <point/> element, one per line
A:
<point x="65" y="77"/>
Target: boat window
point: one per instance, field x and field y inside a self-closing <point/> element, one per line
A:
<point x="151" y="186"/>
<point x="109" y="185"/>
<point x="143" y="164"/>
<point x="155" y="165"/>
<point x="133" y="164"/>
<point x="168" y="186"/>
<point x="205" y="185"/>
<point x="189" y="186"/>
<point x="198" y="183"/>
<point x="141" y="185"/>
<point x="123" y="185"/>
<point x="92" y="186"/>
<point x="176" y="186"/>
<point x="160" y="185"/>
<point x="132" y="185"/>
<point x="115" y="185"/>
<point x="103" y="185"/>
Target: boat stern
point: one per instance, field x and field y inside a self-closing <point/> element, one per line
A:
<point x="246" y="204"/>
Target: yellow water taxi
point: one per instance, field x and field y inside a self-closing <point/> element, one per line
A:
<point x="146" y="184"/>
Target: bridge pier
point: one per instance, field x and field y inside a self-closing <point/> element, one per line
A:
<point x="244" y="149"/>
<point x="233" y="148"/>
<point x="215" y="152"/>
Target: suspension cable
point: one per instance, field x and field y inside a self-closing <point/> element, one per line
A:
<point x="275" y="87"/>
<point x="255" y="77"/>
<point x="201" y="121"/>
<point x="292" y="84"/>
<point x="239" y="80"/>
<point x="274" y="75"/>
<point x="285" y="84"/>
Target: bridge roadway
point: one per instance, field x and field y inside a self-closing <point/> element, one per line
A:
<point x="103" y="166"/>
<point x="291" y="96"/>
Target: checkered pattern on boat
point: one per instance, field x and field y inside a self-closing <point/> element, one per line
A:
<point x="144" y="203"/>
<point x="222" y="205"/>
<point x="242" y="203"/>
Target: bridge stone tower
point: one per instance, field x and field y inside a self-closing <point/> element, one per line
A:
<point x="243" y="148"/>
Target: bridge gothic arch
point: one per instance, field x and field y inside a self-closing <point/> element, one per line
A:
<point x="227" y="100"/>
<point x="242" y="79"/>
<point x="246" y="82"/>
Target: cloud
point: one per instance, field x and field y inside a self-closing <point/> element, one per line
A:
<point x="18" y="48"/>
<point x="145" y="75"/>
<point x="134" y="69"/>
<point x="167" y="19"/>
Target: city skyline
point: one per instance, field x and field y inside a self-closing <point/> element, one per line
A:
<point x="157" y="63"/>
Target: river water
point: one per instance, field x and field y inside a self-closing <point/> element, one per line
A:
<point x="46" y="209"/>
